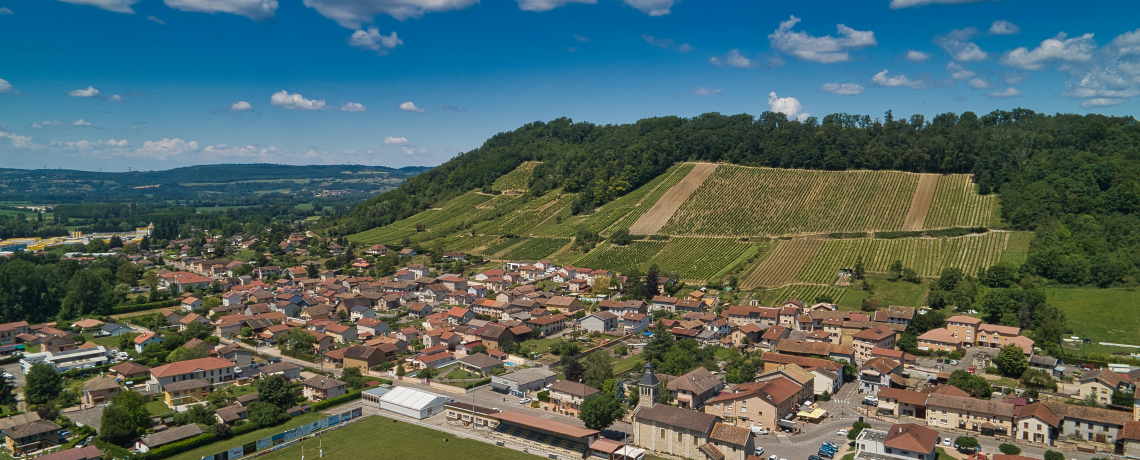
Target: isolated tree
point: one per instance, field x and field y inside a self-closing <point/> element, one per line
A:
<point x="967" y="442"/>
<point x="124" y="419"/>
<point x="651" y="282"/>
<point x="184" y="354"/>
<point x="299" y="341"/>
<point x="598" y="369"/>
<point x="265" y="414"/>
<point x="1011" y="361"/>
<point x="574" y="371"/>
<point x="352" y="378"/>
<point x="857" y="428"/>
<point x="859" y="270"/>
<point x="599" y="410"/>
<point x="1054" y="455"/>
<point x="274" y="390"/>
<point x="42" y="384"/>
<point x="400" y="371"/>
<point x="1009" y="449"/>
<point x="479" y="349"/>
<point x="1122" y="398"/>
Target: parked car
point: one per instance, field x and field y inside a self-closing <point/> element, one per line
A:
<point x="954" y="362"/>
<point x="524" y="401"/>
<point x="971" y="369"/>
<point x="759" y="451"/>
<point x="759" y="430"/>
<point x="946" y="442"/>
<point x="939" y="361"/>
<point x="842" y="432"/>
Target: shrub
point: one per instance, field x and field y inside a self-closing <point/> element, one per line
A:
<point x="1054" y="455"/>
<point x="145" y="306"/>
<point x="825" y="396"/>
<point x="1009" y="449"/>
<point x="544" y="396"/>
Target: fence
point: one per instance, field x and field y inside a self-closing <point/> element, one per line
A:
<point x="289" y="437"/>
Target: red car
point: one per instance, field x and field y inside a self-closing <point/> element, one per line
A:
<point x="971" y="369"/>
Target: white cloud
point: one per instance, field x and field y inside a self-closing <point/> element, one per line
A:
<point x="539" y="6"/>
<point x="6" y="11"/>
<point x="241" y="106"/>
<point x="957" y="45"/>
<point x="1127" y="43"/>
<point x="843" y="89"/>
<point x="5" y="87"/>
<point x="116" y="98"/>
<point x="1013" y="78"/>
<point x="411" y="107"/>
<point x="371" y="39"/>
<point x="295" y="101"/>
<point x="89" y="92"/>
<point x="883" y="80"/>
<point x="353" y="107"/>
<point x="17" y="140"/>
<point x="395" y="140"/>
<point x="46" y="123"/>
<point x="956" y="70"/>
<point x="1058" y="48"/>
<point x="165" y="149"/>
<point x="89" y="145"/>
<point x="1003" y="27"/>
<point x="1101" y="102"/>
<point x="898" y="4"/>
<point x="666" y="44"/>
<point x="1009" y="92"/>
<point x="81" y="122"/>
<point x="652" y="7"/>
<point x="353" y="14"/>
<point x="117" y="6"/>
<point x="270" y="153"/>
<point x="787" y="105"/>
<point x="702" y="91"/>
<point x="258" y="10"/>
<point x="978" y="83"/>
<point x="453" y="108"/>
<point x="1110" y="82"/>
<point x="916" y="56"/>
<point x="825" y="49"/>
<point x="581" y="38"/>
<point x="155" y="20"/>
<point x="732" y="59"/>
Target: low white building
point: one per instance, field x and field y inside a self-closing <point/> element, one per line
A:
<point x="904" y="441"/>
<point x="413" y="403"/>
<point x="66" y="360"/>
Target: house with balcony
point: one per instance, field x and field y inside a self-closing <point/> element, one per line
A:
<point x="568" y="396"/>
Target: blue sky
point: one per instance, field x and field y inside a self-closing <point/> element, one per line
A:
<point x="155" y="84"/>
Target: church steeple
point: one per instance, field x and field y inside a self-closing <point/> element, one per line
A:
<point x="648" y="388"/>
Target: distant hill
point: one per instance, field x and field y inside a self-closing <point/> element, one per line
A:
<point x="215" y="173"/>
<point x="904" y="182"/>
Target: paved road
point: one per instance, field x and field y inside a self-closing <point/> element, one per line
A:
<point x="273" y="351"/>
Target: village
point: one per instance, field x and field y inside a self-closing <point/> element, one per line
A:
<point x="495" y="352"/>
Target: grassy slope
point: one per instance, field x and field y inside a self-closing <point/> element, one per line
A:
<point x="1101" y="315"/>
<point x="395" y="440"/>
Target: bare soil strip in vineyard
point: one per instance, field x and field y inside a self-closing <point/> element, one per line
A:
<point x="920" y="203"/>
<point x="784" y="263"/>
<point x="663" y="209"/>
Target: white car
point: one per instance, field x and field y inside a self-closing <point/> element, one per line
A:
<point x="946" y="442"/>
<point x="759" y="430"/>
<point x="524" y="401"/>
<point x="954" y="362"/>
<point x="774" y="457"/>
<point x="842" y="432"/>
<point x="759" y="451"/>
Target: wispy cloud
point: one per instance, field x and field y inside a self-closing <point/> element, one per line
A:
<point x="1009" y="92"/>
<point x="732" y="59"/>
<point x="702" y="91"/>
<point x="916" y="56"/>
<point x="539" y="6"/>
<point x="81" y="123"/>
<point x="155" y="20"/>
<point x="1003" y="27"/>
<point x="1059" y="48"/>
<point x="666" y="44"/>
<point x="6" y="11"/>
<point x="371" y="39"/>
<point x="89" y="92"/>
<point x="652" y="7"/>
<point x="258" y="10"/>
<point x="6" y="87"/>
<point x="395" y="140"/>
<point x="881" y="79"/>
<point x="452" y="108"/>
<point x="898" y="4"/>
<point x="956" y="43"/>
<point x="353" y="107"/>
<point x="843" y="89"/>
<point x="117" y="6"/>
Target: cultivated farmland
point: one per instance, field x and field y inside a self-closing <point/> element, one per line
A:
<point x="621" y="258"/>
<point x="807" y="293"/>
<point x="743" y="201"/>
<point x="697" y="259"/>
<point x="663" y="209"/>
<point x="518" y="179"/>
<point x="927" y="256"/>
<point x="624" y="211"/>
<point x="957" y="205"/>
<point x="535" y="248"/>
<point x="781" y="266"/>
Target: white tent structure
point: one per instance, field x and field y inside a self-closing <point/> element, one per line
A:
<point x="413" y="403"/>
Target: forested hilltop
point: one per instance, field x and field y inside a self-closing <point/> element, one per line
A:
<point x="1071" y="178"/>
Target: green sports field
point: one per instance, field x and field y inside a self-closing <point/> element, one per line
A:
<point x="378" y="437"/>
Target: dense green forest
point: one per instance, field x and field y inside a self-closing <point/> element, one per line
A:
<point x="1072" y="178"/>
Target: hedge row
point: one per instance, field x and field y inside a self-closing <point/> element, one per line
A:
<point x="840" y="236"/>
<point x="10" y="360"/>
<point x="179" y="447"/>
<point x="131" y="308"/>
<point x="947" y="232"/>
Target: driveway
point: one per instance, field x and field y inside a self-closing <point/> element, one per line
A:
<point x="90" y="417"/>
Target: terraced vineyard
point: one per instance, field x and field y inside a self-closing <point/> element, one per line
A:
<point x="956" y="204"/>
<point x="438" y="222"/>
<point x="526" y="219"/>
<point x="535" y="248"/>
<point x="621" y="258"/>
<point x="781" y="266"/>
<point x="697" y="259"/>
<point x="517" y="179"/>
<point x="624" y="211"/>
<point x="927" y="256"/>
<point x="807" y="293"/>
<point x="494" y="249"/>
<point x="741" y="201"/>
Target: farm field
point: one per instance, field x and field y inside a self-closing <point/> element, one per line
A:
<point x="518" y="179"/>
<point x="927" y="256"/>
<point x="1017" y="248"/>
<point x="782" y="265"/>
<point x="886" y="293"/>
<point x="956" y="204"/>
<point x="698" y="259"/>
<point x="622" y="212"/>
<point x="457" y="208"/>
<point x="394" y="440"/>
<point x="1101" y="315"/>
<point x="621" y="258"/>
<point x="662" y="210"/>
<point x="535" y="248"/>
<point x="766" y="201"/>
<point x="808" y="293"/>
